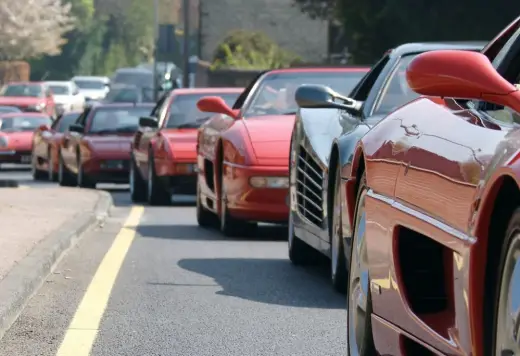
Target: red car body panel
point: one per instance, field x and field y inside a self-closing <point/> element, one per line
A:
<point x="29" y="103"/>
<point x="436" y="169"/>
<point x="250" y="147"/>
<point x="173" y="150"/>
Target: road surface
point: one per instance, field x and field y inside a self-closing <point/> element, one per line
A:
<point x="168" y="287"/>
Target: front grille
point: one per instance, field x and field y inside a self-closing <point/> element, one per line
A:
<point x="309" y="188"/>
<point x="115" y="164"/>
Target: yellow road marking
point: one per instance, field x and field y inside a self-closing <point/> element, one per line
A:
<point x="82" y="331"/>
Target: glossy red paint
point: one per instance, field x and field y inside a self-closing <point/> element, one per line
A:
<point x="215" y="104"/>
<point x="44" y="104"/>
<point x="434" y="170"/>
<point x="172" y="150"/>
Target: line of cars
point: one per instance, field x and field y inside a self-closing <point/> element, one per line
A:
<point x="409" y="185"/>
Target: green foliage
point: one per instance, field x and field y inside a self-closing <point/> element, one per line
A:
<point x="251" y="50"/>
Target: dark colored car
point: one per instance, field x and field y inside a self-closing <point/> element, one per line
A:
<point x="125" y="93"/>
<point x="324" y="138"/>
<point x="96" y="148"/>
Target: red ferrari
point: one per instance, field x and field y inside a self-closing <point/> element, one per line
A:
<point x="45" y="145"/>
<point x="435" y="263"/>
<point x="16" y="135"/>
<point x="243" y="154"/>
<point x="163" y="150"/>
<point x="96" y="147"/>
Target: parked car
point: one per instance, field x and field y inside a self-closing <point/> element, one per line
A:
<point x="16" y="133"/>
<point x="125" y="93"/>
<point x="164" y="156"/>
<point x="96" y="148"/>
<point x="45" y="144"/>
<point x="324" y="138"/>
<point x="66" y="96"/>
<point x="243" y="154"/>
<point x="29" y="96"/>
<point x="7" y="109"/>
<point x="92" y="87"/>
<point x="435" y="195"/>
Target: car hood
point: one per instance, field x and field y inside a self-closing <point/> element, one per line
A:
<point x="18" y="139"/>
<point x="19" y="100"/>
<point x="182" y="141"/>
<point x="110" y="143"/>
<point x="271" y="136"/>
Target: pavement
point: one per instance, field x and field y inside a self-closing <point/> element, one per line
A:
<point x="149" y="281"/>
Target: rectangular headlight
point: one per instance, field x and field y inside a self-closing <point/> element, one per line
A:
<point x="269" y="182"/>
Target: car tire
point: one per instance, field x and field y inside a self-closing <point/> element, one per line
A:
<point x="83" y="180"/>
<point x="205" y="218"/>
<point x="338" y="262"/>
<point x="230" y="226"/>
<point x="158" y="194"/>
<point x="65" y="177"/>
<point x="36" y="173"/>
<point x="138" y="192"/>
<point x="300" y="254"/>
<point x="359" y="323"/>
<point x="506" y="321"/>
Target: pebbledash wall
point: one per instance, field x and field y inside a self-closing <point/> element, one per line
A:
<point x="279" y="19"/>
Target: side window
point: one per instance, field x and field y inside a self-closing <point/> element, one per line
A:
<point x="163" y="111"/>
<point x="242" y="97"/>
<point x="361" y="91"/>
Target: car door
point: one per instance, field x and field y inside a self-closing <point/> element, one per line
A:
<point x="144" y="135"/>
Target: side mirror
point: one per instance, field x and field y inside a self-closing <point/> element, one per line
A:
<point x="322" y="97"/>
<point x="459" y="74"/>
<point x="77" y="128"/>
<point x="217" y="105"/>
<point x="148" y="121"/>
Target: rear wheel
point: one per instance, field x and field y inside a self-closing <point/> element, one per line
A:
<point x="83" y="180"/>
<point x="65" y="177"/>
<point x="158" y="193"/>
<point x="507" y="316"/>
<point x="359" y="325"/>
<point x="138" y="192"/>
<point x="337" y="258"/>
<point x="36" y="173"/>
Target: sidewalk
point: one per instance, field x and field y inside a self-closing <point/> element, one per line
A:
<point x="37" y="226"/>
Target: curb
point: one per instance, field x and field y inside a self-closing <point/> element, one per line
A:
<point x="8" y="183"/>
<point x="26" y="277"/>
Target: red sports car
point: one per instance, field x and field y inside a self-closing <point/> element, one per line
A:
<point x="167" y="138"/>
<point x="96" y="147"/>
<point x="243" y="154"/>
<point x="16" y="135"/>
<point x="435" y="264"/>
<point x="29" y="96"/>
<point x="45" y="146"/>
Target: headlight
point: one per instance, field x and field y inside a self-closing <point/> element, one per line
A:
<point x="269" y="182"/>
<point x="4" y="141"/>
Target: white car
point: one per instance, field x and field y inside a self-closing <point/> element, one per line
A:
<point x="66" y="96"/>
<point x="92" y="87"/>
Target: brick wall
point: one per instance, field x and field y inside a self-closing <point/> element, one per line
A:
<point x="278" y="19"/>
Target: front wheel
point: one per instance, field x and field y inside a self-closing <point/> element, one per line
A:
<point x="83" y="180"/>
<point x="337" y="259"/>
<point x="138" y="188"/>
<point x="205" y="218"/>
<point x="359" y="300"/>
<point x="230" y="226"/>
<point x="36" y="173"/>
<point x="158" y="194"/>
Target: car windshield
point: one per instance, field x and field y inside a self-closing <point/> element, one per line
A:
<point x="185" y="114"/>
<point x="138" y="78"/>
<point x="65" y="121"/>
<point x="117" y="120"/>
<point x="29" y="90"/>
<point x="6" y="109"/>
<point x="396" y="92"/>
<point x="89" y="84"/>
<point x="60" y="89"/>
<point x="275" y="95"/>
<point x="129" y="95"/>
<point x="23" y="123"/>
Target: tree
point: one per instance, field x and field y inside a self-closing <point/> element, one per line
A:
<point x="32" y="28"/>
<point x="323" y="9"/>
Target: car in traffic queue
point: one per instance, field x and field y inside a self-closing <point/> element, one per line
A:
<point x="7" y="109"/>
<point x="93" y="88"/>
<point x="164" y="158"/>
<point x="243" y="153"/>
<point x="66" y="96"/>
<point x="126" y="93"/>
<point x="29" y="97"/>
<point x="323" y="139"/>
<point x="46" y="141"/>
<point x="96" y="147"/>
<point x="16" y="134"/>
<point x="435" y="191"/>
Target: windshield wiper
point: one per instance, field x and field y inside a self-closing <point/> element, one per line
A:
<point x="127" y="129"/>
<point x="289" y="113"/>
<point x="189" y="125"/>
<point x="103" y="132"/>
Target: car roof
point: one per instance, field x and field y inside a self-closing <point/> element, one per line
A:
<point x="25" y="114"/>
<point x="185" y="91"/>
<point x="316" y="69"/>
<point x="417" y="47"/>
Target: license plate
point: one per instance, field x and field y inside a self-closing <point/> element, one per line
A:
<point x="26" y="159"/>
<point x="114" y="164"/>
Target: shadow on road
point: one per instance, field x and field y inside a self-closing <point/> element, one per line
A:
<point x="194" y="232"/>
<point x="271" y="281"/>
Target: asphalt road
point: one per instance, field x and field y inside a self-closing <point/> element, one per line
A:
<point x="182" y="290"/>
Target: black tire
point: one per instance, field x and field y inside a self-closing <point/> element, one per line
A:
<point x="338" y="263"/>
<point x="36" y="173"/>
<point x="205" y="218"/>
<point x="158" y="194"/>
<point x="138" y="188"/>
<point x="364" y="343"/>
<point x="300" y="253"/>
<point x="83" y="180"/>
<point x="65" y="177"/>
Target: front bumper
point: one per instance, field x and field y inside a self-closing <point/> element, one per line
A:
<point x="108" y="170"/>
<point x="15" y="156"/>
